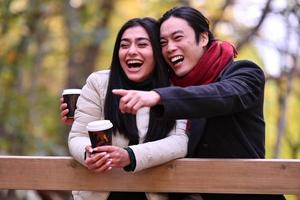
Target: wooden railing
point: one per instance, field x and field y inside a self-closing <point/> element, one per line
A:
<point x="253" y="176"/>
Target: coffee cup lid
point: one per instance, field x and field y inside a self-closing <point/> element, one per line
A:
<point x="99" y="125"/>
<point x="71" y="91"/>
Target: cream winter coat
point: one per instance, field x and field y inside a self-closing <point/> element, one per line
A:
<point x="90" y="107"/>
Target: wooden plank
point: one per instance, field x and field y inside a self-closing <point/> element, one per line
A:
<point x="184" y="175"/>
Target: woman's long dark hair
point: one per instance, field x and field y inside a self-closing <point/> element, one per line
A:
<point x="126" y="123"/>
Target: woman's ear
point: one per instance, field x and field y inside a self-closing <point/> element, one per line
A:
<point x="203" y="40"/>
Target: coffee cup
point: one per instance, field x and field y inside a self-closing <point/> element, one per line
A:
<point x="70" y="97"/>
<point x="100" y="132"/>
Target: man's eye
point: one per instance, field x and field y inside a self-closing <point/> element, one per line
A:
<point x="178" y="37"/>
<point x="163" y="43"/>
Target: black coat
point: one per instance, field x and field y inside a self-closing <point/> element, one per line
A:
<point x="226" y="116"/>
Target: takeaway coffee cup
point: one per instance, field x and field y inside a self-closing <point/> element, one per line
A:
<point x="70" y="97"/>
<point x="100" y="132"/>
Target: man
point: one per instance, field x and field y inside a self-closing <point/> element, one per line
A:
<point x="222" y="98"/>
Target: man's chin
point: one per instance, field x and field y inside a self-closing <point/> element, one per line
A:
<point x="180" y="73"/>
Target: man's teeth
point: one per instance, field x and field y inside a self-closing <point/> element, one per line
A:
<point x="176" y="59"/>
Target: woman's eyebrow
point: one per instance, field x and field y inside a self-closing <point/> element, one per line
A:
<point x="142" y="38"/>
<point x="125" y="40"/>
<point x="137" y="39"/>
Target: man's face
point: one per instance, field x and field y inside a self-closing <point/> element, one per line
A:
<point x="179" y="46"/>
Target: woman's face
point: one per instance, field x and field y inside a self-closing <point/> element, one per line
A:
<point x="136" y="54"/>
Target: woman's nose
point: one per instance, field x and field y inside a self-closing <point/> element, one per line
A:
<point x="132" y="50"/>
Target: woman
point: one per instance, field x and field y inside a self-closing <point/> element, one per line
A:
<point x="139" y="141"/>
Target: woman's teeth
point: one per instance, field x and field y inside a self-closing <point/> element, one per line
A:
<point x="134" y="63"/>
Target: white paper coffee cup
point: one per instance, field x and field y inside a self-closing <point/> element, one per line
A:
<point x="100" y="132"/>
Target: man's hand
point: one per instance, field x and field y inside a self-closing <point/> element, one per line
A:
<point x="63" y="113"/>
<point x="132" y="100"/>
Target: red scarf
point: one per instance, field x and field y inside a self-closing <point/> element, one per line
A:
<point x="212" y="62"/>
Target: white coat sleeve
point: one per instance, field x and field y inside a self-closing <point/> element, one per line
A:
<point x="161" y="151"/>
<point x="89" y="108"/>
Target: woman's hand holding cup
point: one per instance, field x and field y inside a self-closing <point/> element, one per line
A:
<point x="97" y="161"/>
<point x="118" y="155"/>
<point x="104" y="158"/>
<point x="68" y="105"/>
<point x="63" y="113"/>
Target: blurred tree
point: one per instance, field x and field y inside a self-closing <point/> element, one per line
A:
<point x="290" y="69"/>
<point x="86" y="28"/>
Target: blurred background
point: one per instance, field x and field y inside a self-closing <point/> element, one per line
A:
<point x="49" y="45"/>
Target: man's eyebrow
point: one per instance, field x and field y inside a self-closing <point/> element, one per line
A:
<point x="174" y="33"/>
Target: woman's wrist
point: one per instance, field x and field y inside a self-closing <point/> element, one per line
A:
<point x="132" y="165"/>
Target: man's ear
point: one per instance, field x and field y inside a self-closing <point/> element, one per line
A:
<point x="203" y="40"/>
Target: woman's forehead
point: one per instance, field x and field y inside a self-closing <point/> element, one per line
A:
<point x="135" y="32"/>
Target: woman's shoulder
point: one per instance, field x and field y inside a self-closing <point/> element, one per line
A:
<point x="97" y="82"/>
<point x="102" y="74"/>
<point x="98" y="77"/>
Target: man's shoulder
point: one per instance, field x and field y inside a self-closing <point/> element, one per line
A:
<point x="243" y="65"/>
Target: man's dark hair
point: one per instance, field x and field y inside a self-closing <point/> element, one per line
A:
<point x="198" y="22"/>
<point x="126" y="123"/>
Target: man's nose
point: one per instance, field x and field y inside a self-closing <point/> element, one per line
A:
<point x="171" y="47"/>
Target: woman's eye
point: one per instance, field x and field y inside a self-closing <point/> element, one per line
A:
<point x="142" y="45"/>
<point x="124" y="46"/>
